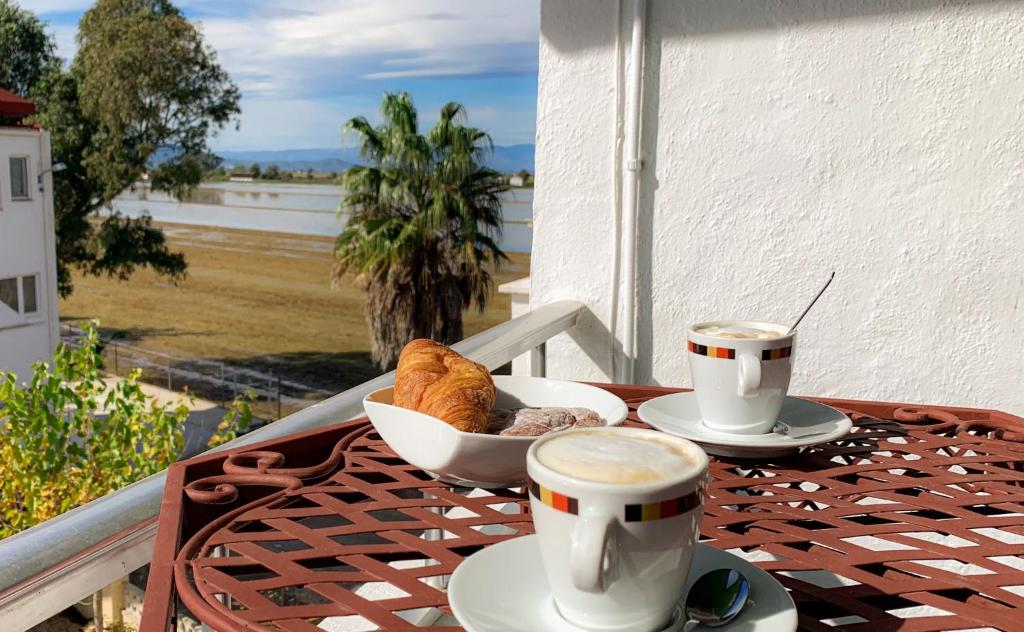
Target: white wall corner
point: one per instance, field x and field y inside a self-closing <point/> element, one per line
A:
<point x="49" y="274"/>
<point x="574" y="233"/>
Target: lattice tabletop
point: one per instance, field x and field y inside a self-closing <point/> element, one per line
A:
<point x="915" y="521"/>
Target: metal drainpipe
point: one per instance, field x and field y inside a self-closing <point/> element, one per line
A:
<point x="631" y="166"/>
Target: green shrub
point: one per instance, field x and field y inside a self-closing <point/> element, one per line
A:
<point x="68" y="436"/>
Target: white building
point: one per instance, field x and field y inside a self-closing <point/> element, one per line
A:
<point x="29" y="327"/>
<point x="779" y="141"/>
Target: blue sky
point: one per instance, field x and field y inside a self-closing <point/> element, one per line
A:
<point x="306" y="66"/>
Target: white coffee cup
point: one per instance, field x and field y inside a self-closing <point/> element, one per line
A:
<point x="741" y="383"/>
<point x="616" y="554"/>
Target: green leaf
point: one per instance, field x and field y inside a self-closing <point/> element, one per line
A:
<point x="68" y="438"/>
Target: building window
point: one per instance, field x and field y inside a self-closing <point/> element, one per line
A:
<point x="9" y="293"/>
<point x="19" y="178"/>
<point x="28" y="294"/>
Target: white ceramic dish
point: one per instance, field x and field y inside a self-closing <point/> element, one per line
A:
<point x="481" y="460"/>
<point x="809" y="422"/>
<point x="503" y="588"/>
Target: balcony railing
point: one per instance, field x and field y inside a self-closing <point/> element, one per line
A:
<point x="51" y="566"/>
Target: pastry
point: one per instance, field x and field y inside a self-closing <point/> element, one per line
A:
<point x="533" y="422"/>
<point x="434" y="380"/>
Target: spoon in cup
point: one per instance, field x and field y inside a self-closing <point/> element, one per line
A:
<point x="813" y="301"/>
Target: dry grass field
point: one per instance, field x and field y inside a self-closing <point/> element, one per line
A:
<point x="262" y="300"/>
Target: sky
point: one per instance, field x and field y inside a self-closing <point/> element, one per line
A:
<point x="306" y="66"/>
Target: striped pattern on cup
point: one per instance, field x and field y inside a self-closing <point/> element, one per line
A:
<point x="553" y="499"/>
<point x="775" y="354"/>
<point x="663" y="509"/>
<point x="726" y="353"/>
<point x="712" y="352"/>
<point x="633" y="513"/>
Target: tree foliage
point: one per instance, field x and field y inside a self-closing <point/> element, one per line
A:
<point x="426" y="217"/>
<point x="150" y="82"/>
<point x="26" y="52"/>
<point x="143" y="93"/>
<point x="68" y="436"/>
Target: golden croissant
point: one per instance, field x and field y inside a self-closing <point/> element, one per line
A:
<point x="436" y="381"/>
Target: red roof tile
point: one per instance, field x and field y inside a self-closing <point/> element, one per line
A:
<point x="12" y="106"/>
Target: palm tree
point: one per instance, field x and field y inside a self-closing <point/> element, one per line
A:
<point x="426" y="219"/>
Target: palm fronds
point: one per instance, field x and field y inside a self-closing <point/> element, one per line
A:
<point x="424" y="224"/>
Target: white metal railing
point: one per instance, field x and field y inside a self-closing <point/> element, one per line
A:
<point x="45" y="569"/>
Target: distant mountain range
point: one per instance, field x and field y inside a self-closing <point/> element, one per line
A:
<point x="506" y="158"/>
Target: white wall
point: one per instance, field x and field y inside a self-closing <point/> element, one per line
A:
<point x="782" y="140"/>
<point x="27" y="248"/>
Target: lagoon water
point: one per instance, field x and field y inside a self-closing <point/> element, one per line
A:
<point x="306" y="209"/>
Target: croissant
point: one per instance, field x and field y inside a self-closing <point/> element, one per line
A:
<point x="434" y="380"/>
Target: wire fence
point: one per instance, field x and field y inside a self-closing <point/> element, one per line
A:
<point x="213" y="380"/>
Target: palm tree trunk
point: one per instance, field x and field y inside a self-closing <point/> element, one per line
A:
<point x="448" y="325"/>
<point x="389" y="316"/>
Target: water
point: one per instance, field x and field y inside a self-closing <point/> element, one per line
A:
<point x="305" y="209"/>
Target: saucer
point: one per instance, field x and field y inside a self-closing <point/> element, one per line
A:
<point x="809" y="423"/>
<point x="503" y="588"/>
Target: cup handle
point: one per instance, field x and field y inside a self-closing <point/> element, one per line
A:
<point x="588" y="550"/>
<point x="750" y="375"/>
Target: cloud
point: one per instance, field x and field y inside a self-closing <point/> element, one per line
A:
<point x="368" y="39"/>
<point x="366" y="26"/>
<point x="288" y="123"/>
<point x="305" y="66"/>
<point x="64" y="36"/>
<point x="311" y="64"/>
<point x="365" y="39"/>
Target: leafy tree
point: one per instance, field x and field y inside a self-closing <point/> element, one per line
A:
<point x="524" y="174"/>
<point x="309" y="174"/>
<point x="426" y="216"/>
<point x="26" y="52"/>
<point x="69" y="437"/>
<point x="239" y="170"/>
<point x="236" y="421"/>
<point x="142" y="86"/>
<point x="273" y="172"/>
<point x="254" y="170"/>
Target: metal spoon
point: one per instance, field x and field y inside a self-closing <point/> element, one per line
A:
<point x="717" y="597"/>
<point x="813" y="301"/>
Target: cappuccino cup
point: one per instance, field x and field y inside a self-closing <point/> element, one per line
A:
<point x="616" y="511"/>
<point x="741" y="371"/>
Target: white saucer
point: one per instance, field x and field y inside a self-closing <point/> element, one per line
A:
<point x="503" y="588"/>
<point x="809" y="422"/>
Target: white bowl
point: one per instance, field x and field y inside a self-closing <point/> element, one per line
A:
<point x="481" y="460"/>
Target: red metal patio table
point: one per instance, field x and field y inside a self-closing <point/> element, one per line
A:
<point x="915" y="521"/>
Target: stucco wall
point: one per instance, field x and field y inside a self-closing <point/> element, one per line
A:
<point x="27" y="248"/>
<point x="782" y="140"/>
<point x="23" y="345"/>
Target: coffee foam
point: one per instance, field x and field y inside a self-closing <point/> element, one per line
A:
<point x="741" y="332"/>
<point x="615" y="457"/>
